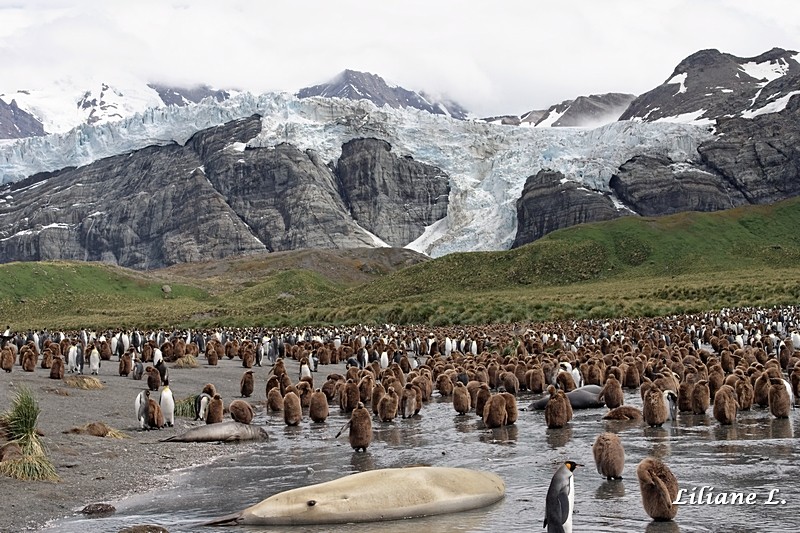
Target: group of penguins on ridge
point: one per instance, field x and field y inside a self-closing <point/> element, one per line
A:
<point x="733" y="359"/>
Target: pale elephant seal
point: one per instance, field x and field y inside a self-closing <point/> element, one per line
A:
<point x="585" y="397"/>
<point x="221" y="432"/>
<point x="376" y="495"/>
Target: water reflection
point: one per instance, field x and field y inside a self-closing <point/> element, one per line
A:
<point x="662" y="527"/>
<point x="558" y="438"/>
<point x="610" y="489"/>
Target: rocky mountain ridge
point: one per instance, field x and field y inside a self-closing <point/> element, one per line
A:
<point x="340" y="172"/>
<point x="215" y="197"/>
<point x="709" y="85"/>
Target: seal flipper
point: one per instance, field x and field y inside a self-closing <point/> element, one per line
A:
<point x="227" y="520"/>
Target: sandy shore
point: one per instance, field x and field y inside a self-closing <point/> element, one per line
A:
<point x="94" y="469"/>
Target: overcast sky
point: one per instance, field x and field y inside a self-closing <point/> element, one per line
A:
<point x="498" y="57"/>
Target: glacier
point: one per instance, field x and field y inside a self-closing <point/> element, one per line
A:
<point x="487" y="164"/>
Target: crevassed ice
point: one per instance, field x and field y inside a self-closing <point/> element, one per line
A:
<point x="487" y="163"/>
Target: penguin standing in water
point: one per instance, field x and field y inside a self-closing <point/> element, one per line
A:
<point x="167" y="404"/>
<point x="560" y="499"/>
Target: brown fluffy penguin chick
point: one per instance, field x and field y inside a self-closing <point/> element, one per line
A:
<point x="241" y="411"/>
<point x="624" y="412"/>
<point x="685" y="396"/>
<point x="701" y="397"/>
<point x="512" y="412"/>
<point x="349" y="396"/>
<point x="659" y="489"/>
<point x="6" y="359"/>
<point x="360" y="428"/>
<point x="153" y="378"/>
<point x="378" y="392"/>
<point x="744" y="393"/>
<point x="461" y="398"/>
<point x="494" y="412"/>
<point x="318" y="408"/>
<point x="125" y="365"/>
<point x="654" y="410"/>
<point x="57" y="368"/>
<point x="609" y="455"/>
<point x="292" y="412"/>
<point x="408" y="401"/>
<point x="444" y="385"/>
<point x="215" y="410"/>
<point x="209" y="389"/>
<point x="155" y="417"/>
<point x="247" y="384"/>
<point x="481" y="398"/>
<point x="725" y="405"/>
<point x="558" y="410"/>
<point x="778" y="397"/>
<point x="611" y="393"/>
<point x="387" y="407"/>
<point x="275" y="399"/>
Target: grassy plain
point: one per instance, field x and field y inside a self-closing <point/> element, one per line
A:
<point x="634" y="266"/>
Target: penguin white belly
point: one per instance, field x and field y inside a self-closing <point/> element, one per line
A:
<point x="571" y="497"/>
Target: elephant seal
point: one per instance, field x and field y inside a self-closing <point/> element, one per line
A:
<point x="374" y="496"/>
<point x="585" y="397"/>
<point x="222" y="432"/>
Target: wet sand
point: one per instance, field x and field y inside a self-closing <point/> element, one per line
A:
<point x="94" y="469"/>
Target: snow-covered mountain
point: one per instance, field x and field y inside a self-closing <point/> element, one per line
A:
<point x="355" y="85"/>
<point x="69" y="103"/>
<point x="710" y="84"/>
<point x="487" y="164"/>
<point x="583" y="112"/>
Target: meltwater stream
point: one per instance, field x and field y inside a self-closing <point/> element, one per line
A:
<point x="755" y="455"/>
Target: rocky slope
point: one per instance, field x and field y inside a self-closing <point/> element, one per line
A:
<point x="583" y="112"/>
<point x="355" y="85"/>
<point x="750" y="161"/>
<point x="215" y="198"/>
<point x="16" y="123"/>
<point x="710" y="84"/>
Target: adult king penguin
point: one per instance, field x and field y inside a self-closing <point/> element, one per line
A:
<point x="560" y="500"/>
<point x="167" y="404"/>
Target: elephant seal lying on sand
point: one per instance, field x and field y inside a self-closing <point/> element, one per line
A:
<point x="221" y="432"/>
<point x="582" y="398"/>
<point x="376" y="495"/>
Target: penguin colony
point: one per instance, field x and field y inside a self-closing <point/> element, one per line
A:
<point x="741" y="360"/>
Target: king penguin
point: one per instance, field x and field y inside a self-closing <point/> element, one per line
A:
<point x="141" y="406"/>
<point x="167" y="404"/>
<point x="560" y="500"/>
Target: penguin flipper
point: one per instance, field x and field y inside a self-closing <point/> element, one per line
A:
<point x="563" y="500"/>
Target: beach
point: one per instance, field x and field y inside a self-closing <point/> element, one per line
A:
<point x="101" y="469"/>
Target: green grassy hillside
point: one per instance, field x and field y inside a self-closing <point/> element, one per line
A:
<point x="630" y="266"/>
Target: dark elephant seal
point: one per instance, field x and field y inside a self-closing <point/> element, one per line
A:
<point x="585" y="397"/>
<point x="221" y="432"/>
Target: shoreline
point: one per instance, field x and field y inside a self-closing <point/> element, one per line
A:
<point x="106" y="470"/>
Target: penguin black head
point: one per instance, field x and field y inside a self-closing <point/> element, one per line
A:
<point x="571" y="465"/>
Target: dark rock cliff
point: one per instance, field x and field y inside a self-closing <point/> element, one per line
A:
<point x="394" y="197"/>
<point x="548" y="203"/>
<point x="213" y="198"/>
<point x="751" y="161"/>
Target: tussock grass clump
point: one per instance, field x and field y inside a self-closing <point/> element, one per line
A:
<point x="98" y="429"/>
<point x="185" y="407"/>
<point x="83" y="382"/>
<point x="187" y="361"/>
<point x="20" y="426"/>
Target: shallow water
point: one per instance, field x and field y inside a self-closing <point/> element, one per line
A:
<point x="757" y="454"/>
